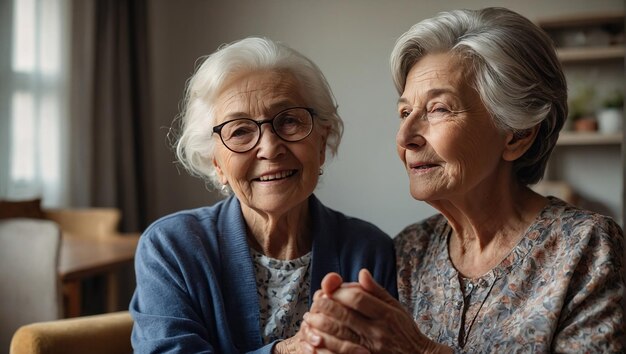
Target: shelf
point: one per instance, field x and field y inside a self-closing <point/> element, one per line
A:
<point x="582" y="139"/>
<point x="594" y="44"/>
<point x="587" y="37"/>
<point x="583" y="20"/>
<point x="585" y="54"/>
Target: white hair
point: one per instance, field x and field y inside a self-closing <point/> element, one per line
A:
<point x="194" y="146"/>
<point x="511" y="63"/>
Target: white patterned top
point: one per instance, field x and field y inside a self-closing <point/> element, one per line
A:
<point x="283" y="290"/>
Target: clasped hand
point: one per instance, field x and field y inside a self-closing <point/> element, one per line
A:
<point x="360" y="318"/>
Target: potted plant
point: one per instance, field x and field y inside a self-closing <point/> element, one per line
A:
<point x="610" y="116"/>
<point x="580" y="111"/>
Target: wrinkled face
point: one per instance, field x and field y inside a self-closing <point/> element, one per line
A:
<point x="275" y="175"/>
<point x="447" y="139"/>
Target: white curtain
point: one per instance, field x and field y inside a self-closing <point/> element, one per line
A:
<point x="34" y="101"/>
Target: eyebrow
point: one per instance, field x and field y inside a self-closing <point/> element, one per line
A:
<point x="430" y="93"/>
<point x="277" y="106"/>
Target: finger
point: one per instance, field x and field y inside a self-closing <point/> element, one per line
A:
<point x="309" y="335"/>
<point x="332" y="344"/>
<point x="334" y="309"/>
<point x="304" y="346"/>
<point x="307" y="348"/>
<point x="366" y="280"/>
<point x="323" y="351"/>
<point x="331" y="282"/>
<point x="318" y="294"/>
<point x="317" y="350"/>
<point x="319" y="322"/>
<point x="350" y="285"/>
<point x="363" y="302"/>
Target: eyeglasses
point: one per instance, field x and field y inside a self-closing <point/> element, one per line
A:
<point x="242" y="134"/>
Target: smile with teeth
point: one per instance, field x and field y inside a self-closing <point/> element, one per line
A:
<point x="275" y="176"/>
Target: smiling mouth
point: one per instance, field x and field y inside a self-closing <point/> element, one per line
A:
<point x="277" y="176"/>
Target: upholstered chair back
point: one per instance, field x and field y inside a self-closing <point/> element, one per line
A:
<point x="29" y="284"/>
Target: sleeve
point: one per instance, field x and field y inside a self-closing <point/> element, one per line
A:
<point x="593" y="317"/>
<point x="267" y="349"/>
<point x="386" y="271"/>
<point x="172" y="313"/>
<point x="373" y="249"/>
<point x="165" y="320"/>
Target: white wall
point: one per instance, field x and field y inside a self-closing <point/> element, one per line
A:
<point x="350" y="40"/>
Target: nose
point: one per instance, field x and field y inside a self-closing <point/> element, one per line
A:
<point x="270" y="145"/>
<point x="410" y="134"/>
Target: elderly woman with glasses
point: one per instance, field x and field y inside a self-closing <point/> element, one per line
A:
<point x="239" y="275"/>
<point x="501" y="269"/>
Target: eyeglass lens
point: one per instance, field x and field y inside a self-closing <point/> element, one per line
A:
<point x="291" y="125"/>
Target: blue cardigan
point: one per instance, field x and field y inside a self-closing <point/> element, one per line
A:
<point x="196" y="286"/>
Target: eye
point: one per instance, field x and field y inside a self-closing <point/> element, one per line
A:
<point x="404" y="113"/>
<point x="438" y="111"/>
<point x="439" y="108"/>
<point x="289" y="120"/>
<point x="292" y="123"/>
<point x="239" y="129"/>
<point x="240" y="132"/>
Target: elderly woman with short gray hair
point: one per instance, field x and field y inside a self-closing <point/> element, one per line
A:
<point x="238" y="276"/>
<point x="502" y="268"/>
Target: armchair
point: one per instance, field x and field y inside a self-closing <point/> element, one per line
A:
<point x="98" y="334"/>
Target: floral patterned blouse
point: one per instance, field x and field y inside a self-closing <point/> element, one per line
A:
<point x="283" y="290"/>
<point x="559" y="290"/>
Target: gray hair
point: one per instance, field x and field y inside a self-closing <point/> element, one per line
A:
<point x="511" y="63"/>
<point x="193" y="144"/>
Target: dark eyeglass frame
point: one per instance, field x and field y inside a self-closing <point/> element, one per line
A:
<point x="218" y="128"/>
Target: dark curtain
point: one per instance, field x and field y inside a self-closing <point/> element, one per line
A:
<point x="120" y="163"/>
<point x="111" y="122"/>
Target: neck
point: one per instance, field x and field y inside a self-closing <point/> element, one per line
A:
<point x="488" y="224"/>
<point x="279" y="235"/>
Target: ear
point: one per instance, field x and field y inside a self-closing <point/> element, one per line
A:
<point x="518" y="143"/>
<point x="219" y="171"/>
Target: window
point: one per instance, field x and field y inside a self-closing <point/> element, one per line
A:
<point x="36" y="101"/>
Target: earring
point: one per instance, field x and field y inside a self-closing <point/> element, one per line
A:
<point x="321" y="171"/>
<point x="224" y="188"/>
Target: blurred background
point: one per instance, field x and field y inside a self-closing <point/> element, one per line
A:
<point x="89" y="90"/>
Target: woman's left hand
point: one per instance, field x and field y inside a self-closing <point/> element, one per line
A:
<point x="348" y="318"/>
<point x="291" y="345"/>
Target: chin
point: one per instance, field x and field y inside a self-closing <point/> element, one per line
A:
<point x="418" y="196"/>
<point x="421" y="194"/>
<point x="282" y="203"/>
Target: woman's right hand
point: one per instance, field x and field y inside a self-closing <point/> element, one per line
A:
<point x="361" y="318"/>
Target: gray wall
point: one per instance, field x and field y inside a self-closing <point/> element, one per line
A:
<point x="350" y="40"/>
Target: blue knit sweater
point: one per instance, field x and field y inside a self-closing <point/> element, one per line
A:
<point x="196" y="286"/>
